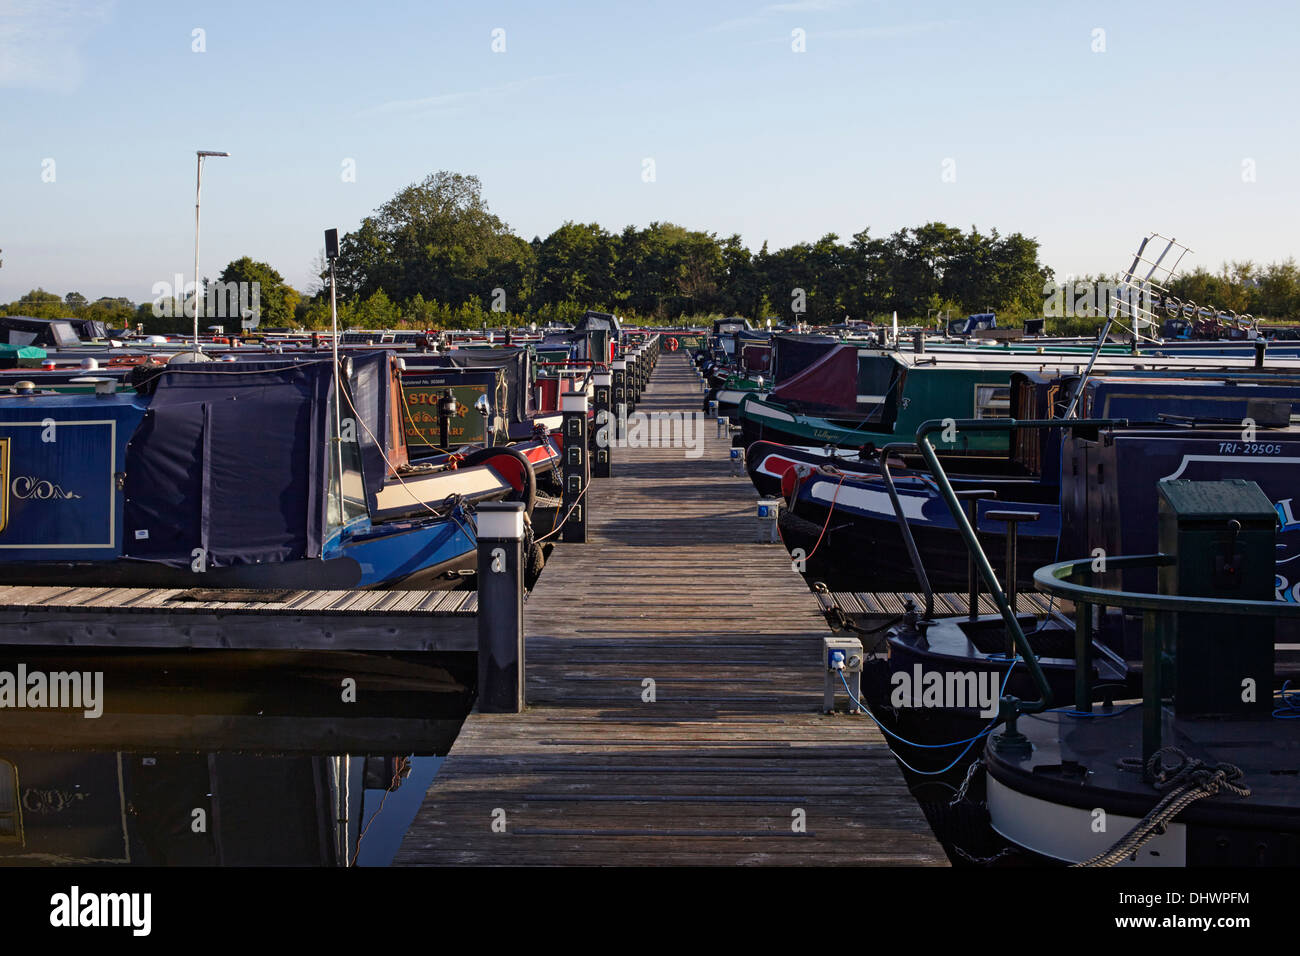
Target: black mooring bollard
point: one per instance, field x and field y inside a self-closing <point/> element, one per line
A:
<point x="500" y="607"/>
<point x="577" y="471"/>
<point x="603" y="440"/>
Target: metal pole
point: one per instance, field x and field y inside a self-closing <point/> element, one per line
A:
<point x="338" y="411"/>
<point x="903" y="526"/>
<point x="198" y="298"/>
<point x="983" y="566"/>
<point x="200" y="154"/>
<point x="972" y="541"/>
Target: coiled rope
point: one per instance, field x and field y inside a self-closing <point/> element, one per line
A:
<point x="1187" y="781"/>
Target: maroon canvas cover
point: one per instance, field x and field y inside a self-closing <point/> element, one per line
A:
<point x="830" y="382"/>
<point x="757" y="358"/>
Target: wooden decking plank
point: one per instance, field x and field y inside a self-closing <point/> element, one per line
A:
<point x="671" y="585"/>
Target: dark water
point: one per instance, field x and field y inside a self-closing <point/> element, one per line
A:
<point x="226" y="758"/>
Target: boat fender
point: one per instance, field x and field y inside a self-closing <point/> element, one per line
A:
<point x="791" y="479"/>
<point x="518" y="471"/>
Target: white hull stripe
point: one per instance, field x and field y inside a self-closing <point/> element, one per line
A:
<point x="1072" y="834"/>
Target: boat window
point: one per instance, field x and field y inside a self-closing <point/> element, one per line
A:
<point x="354" y="490"/>
<point x="992" y="401"/>
<point x="11" y="814"/>
<point x="875" y="378"/>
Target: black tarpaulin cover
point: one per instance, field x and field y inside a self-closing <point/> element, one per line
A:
<point x="230" y="460"/>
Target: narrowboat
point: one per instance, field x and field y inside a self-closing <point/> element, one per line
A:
<point x="252" y="474"/>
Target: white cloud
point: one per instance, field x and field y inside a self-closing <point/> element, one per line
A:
<point x="40" y="41"/>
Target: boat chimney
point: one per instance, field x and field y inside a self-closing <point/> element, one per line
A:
<point x="1260" y="347"/>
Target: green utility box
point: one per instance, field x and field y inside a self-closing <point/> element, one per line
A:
<point x="1222" y="534"/>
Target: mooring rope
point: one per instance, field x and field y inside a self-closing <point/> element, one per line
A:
<point x="561" y="525"/>
<point x="829" y="513"/>
<point x="1190" y="780"/>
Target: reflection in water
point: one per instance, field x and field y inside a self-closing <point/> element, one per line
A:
<point x="228" y="758"/>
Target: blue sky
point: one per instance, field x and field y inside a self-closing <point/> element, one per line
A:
<point x="1084" y="150"/>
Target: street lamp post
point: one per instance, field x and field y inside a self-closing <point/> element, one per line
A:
<point x="198" y="294"/>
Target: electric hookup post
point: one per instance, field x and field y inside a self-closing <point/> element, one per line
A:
<point x="633" y="380"/>
<point x="620" y="398"/>
<point x="576" y="467"/>
<point x="842" y="656"/>
<point x="769" y="513"/>
<point x="500" y="607"/>
<point x="600" y="462"/>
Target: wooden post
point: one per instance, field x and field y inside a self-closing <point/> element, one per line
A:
<point x="500" y="607"/>
<point x="603" y="439"/>
<point x="577" y="471"/>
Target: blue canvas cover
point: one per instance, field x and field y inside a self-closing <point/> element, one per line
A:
<point x="230" y="459"/>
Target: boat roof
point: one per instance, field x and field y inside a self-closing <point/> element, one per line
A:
<point x="1072" y="364"/>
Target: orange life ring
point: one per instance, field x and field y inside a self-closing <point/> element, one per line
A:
<point x="672" y="345"/>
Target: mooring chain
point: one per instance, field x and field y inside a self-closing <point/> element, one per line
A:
<point x="984" y="860"/>
<point x="1187" y="781"/>
<point x="965" y="784"/>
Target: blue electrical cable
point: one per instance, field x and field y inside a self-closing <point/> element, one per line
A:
<point x="969" y="742"/>
<point x="1290" y="709"/>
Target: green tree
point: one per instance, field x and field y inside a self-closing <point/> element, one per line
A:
<point x="277" y="299"/>
<point x="575" y="263"/>
<point x="38" y="304"/>
<point x="435" y="238"/>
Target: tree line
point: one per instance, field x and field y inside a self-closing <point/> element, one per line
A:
<point x="435" y="256"/>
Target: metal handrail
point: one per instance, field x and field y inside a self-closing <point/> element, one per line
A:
<point x="904" y="527"/>
<point x="973" y="545"/>
<point x="1056" y="579"/>
<point x="1156" y="609"/>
